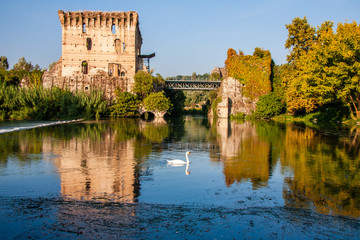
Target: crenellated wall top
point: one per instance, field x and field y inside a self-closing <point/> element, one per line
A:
<point x="79" y="18"/>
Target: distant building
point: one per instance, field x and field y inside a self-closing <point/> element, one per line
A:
<point x="100" y="50"/>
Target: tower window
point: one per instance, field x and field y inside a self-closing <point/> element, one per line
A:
<point x="117" y="45"/>
<point x="88" y="43"/>
<point x="113" y="29"/>
<point x="84" y="67"/>
<point x="84" y="28"/>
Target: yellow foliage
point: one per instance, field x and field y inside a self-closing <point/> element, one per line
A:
<point x="252" y="71"/>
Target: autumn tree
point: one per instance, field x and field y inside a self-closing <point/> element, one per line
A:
<point x="325" y="70"/>
<point x="300" y="38"/>
<point x="332" y="66"/>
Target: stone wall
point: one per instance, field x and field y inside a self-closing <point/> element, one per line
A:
<point x="233" y="99"/>
<point x="100" y="50"/>
<point x="107" y="41"/>
<point x="86" y="83"/>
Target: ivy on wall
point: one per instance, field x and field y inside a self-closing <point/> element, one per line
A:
<point x="253" y="71"/>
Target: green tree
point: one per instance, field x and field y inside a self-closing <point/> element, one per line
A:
<point x="144" y="84"/>
<point x="177" y="99"/>
<point x="158" y="82"/>
<point x="193" y="76"/>
<point x="4" y="62"/>
<point x="37" y="67"/>
<point x="269" y="105"/>
<point x="157" y="102"/>
<point x="51" y="66"/>
<point x="300" y="38"/>
<point x="22" y="64"/>
<point x="8" y="77"/>
<point x="126" y="105"/>
<point x="35" y="77"/>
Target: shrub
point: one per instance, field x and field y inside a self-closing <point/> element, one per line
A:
<point x="269" y="106"/>
<point x="238" y="116"/>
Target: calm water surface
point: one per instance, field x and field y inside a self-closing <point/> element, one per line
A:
<point x="246" y="180"/>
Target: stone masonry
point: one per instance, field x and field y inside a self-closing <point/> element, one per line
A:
<point x="100" y="50"/>
<point x="233" y="101"/>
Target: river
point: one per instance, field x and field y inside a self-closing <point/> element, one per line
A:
<point x="245" y="180"/>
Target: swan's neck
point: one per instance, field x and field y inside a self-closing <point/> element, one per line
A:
<point x="187" y="158"/>
<point x="187" y="172"/>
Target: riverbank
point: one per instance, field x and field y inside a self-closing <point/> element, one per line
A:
<point x="59" y="218"/>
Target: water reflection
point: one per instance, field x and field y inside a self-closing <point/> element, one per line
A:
<point x="325" y="169"/>
<point x="187" y="171"/>
<point x="321" y="171"/>
<point x="107" y="168"/>
<point x="107" y="161"/>
<point x="245" y="155"/>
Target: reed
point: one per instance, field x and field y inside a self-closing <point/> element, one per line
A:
<point x="37" y="103"/>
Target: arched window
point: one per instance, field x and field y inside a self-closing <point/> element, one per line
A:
<point x="88" y="43"/>
<point x="84" y="67"/>
<point x="113" y="29"/>
<point x="131" y="20"/>
<point x="118" y="45"/>
<point x="84" y="28"/>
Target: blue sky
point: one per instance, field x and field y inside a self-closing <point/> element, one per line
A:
<point x="187" y="36"/>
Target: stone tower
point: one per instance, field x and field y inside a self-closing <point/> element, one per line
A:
<point x="99" y="50"/>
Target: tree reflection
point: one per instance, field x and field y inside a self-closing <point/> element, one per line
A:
<point x="325" y="174"/>
<point x="245" y="155"/>
<point x="322" y="170"/>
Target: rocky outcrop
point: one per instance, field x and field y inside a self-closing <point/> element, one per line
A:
<point x="232" y="99"/>
<point x="220" y="71"/>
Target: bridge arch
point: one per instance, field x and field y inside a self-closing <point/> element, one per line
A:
<point x="157" y="114"/>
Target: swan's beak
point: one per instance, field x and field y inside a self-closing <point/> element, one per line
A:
<point x="189" y="153"/>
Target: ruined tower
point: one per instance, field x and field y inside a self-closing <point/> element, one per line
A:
<point x="99" y="50"/>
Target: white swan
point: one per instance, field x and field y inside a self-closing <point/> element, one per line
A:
<point x="180" y="162"/>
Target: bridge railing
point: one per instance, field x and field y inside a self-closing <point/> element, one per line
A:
<point x="194" y="80"/>
<point x="192" y="85"/>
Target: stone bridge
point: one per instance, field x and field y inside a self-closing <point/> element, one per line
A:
<point x="157" y="114"/>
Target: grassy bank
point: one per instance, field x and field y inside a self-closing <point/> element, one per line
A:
<point x="37" y="103"/>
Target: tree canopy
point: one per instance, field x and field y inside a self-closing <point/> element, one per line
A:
<point x="22" y="64"/>
<point x="326" y="69"/>
<point x="157" y="102"/>
<point x="144" y="84"/>
<point x="126" y="105"/>
<point x="4" y="62"/>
